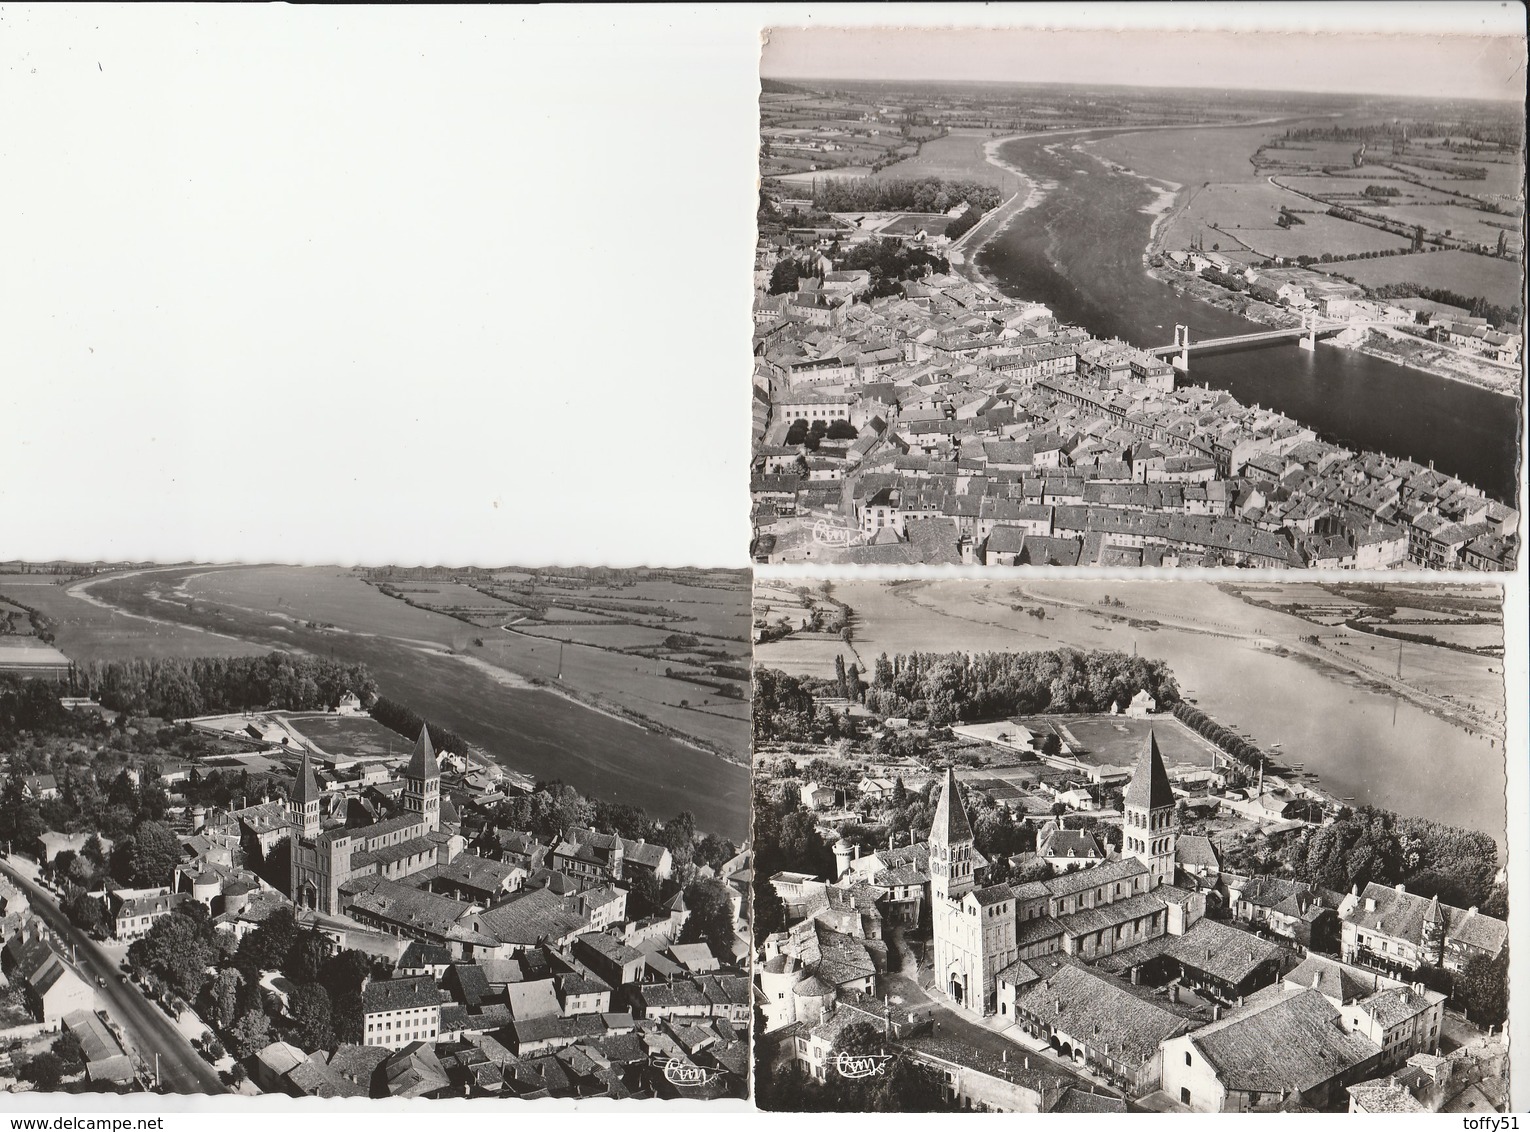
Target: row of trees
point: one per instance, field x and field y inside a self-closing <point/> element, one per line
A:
<point x="945" y="688"/>
<point x="407" y="722"/>
<point x="964" y="223"/>
<point x="1213" y="732"/>
<point x="177" y="687"/>
<point x="926" y="194"/>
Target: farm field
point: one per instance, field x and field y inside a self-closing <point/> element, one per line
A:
<point x="636" y="683"/>
<point x="1470" y="636"/>
<point x="1239" y="210"/>
<point x="1496" y="280"/>
<point x="616" y="637"/>
<point x="1318" y="234"/>
<point x="1461" y="222"/>
<point x="957" y="156"/>
<point x="1504" y="179"/>
<point x="1351" y="190"/>
<point x="85" y="632"/>
<point x="457" y="597"/>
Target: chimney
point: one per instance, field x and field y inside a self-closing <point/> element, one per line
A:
<point x="1216" y="1011"/>
<point x="1174" y="992"/>
<point x="1027" y="1061"/>
<point x="1316" y="978"/>
<point x="1136" y="975"/>
<point x="1370" y="904"/>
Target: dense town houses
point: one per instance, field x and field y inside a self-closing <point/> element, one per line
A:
<point x="486" y="960"/>
<point x="1145" y="976"/>
<point x="948" y="424"/>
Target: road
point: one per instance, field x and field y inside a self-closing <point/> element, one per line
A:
<point x="181" y="1068"/>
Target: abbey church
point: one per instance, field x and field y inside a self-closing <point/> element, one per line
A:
<point x="414" y="840"/>
<point x="980" y="930"/>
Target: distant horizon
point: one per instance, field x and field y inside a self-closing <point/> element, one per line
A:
<point x="824" y="79"/>
<point x="1474" y="67"/>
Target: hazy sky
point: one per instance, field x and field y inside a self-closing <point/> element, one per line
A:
<point x="1460" y="65"/>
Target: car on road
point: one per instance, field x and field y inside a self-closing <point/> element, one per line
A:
<point x="101" y="980"/>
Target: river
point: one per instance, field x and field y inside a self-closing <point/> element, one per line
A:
<point x="1370" y="746"/>
<point x="1079" y="251"/>
<point x="535" y="732"/>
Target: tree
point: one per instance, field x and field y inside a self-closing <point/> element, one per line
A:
<point x="768" y="914"/>
<point x="86" y="912"/>
<point x="45" y="1071"/>
<point x="1482" y="989"/>
<point x="154" y="853"/>
<point x="711" y="914"/>
<point x="265" y="948"/>
<point x="305" y="957"/>
<point x="178" y="948"/>
<point x="251" y="1033"/>
<point x="784" y="276"/>
<point x="224" y="997"/>
<point x="71" y="1055"/>
<point x="309" y="1005"/>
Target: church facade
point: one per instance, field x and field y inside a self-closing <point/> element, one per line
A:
<point x="324" y="860"/>
<point x="979" y="930"/>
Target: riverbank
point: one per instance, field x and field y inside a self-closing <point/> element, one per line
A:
<point x="992" y="226"/>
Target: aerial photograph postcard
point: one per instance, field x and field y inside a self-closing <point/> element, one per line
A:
<point x="376" y="833"/>
<point x="1051" y="298"/>
<point x="1130" y="846"/>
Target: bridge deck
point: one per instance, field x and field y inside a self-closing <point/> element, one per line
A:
<point x="1257" y="336"/>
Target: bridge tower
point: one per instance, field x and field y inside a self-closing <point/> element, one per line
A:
<point x="1308" y="341"/>
<point x="1181" y="361"/>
